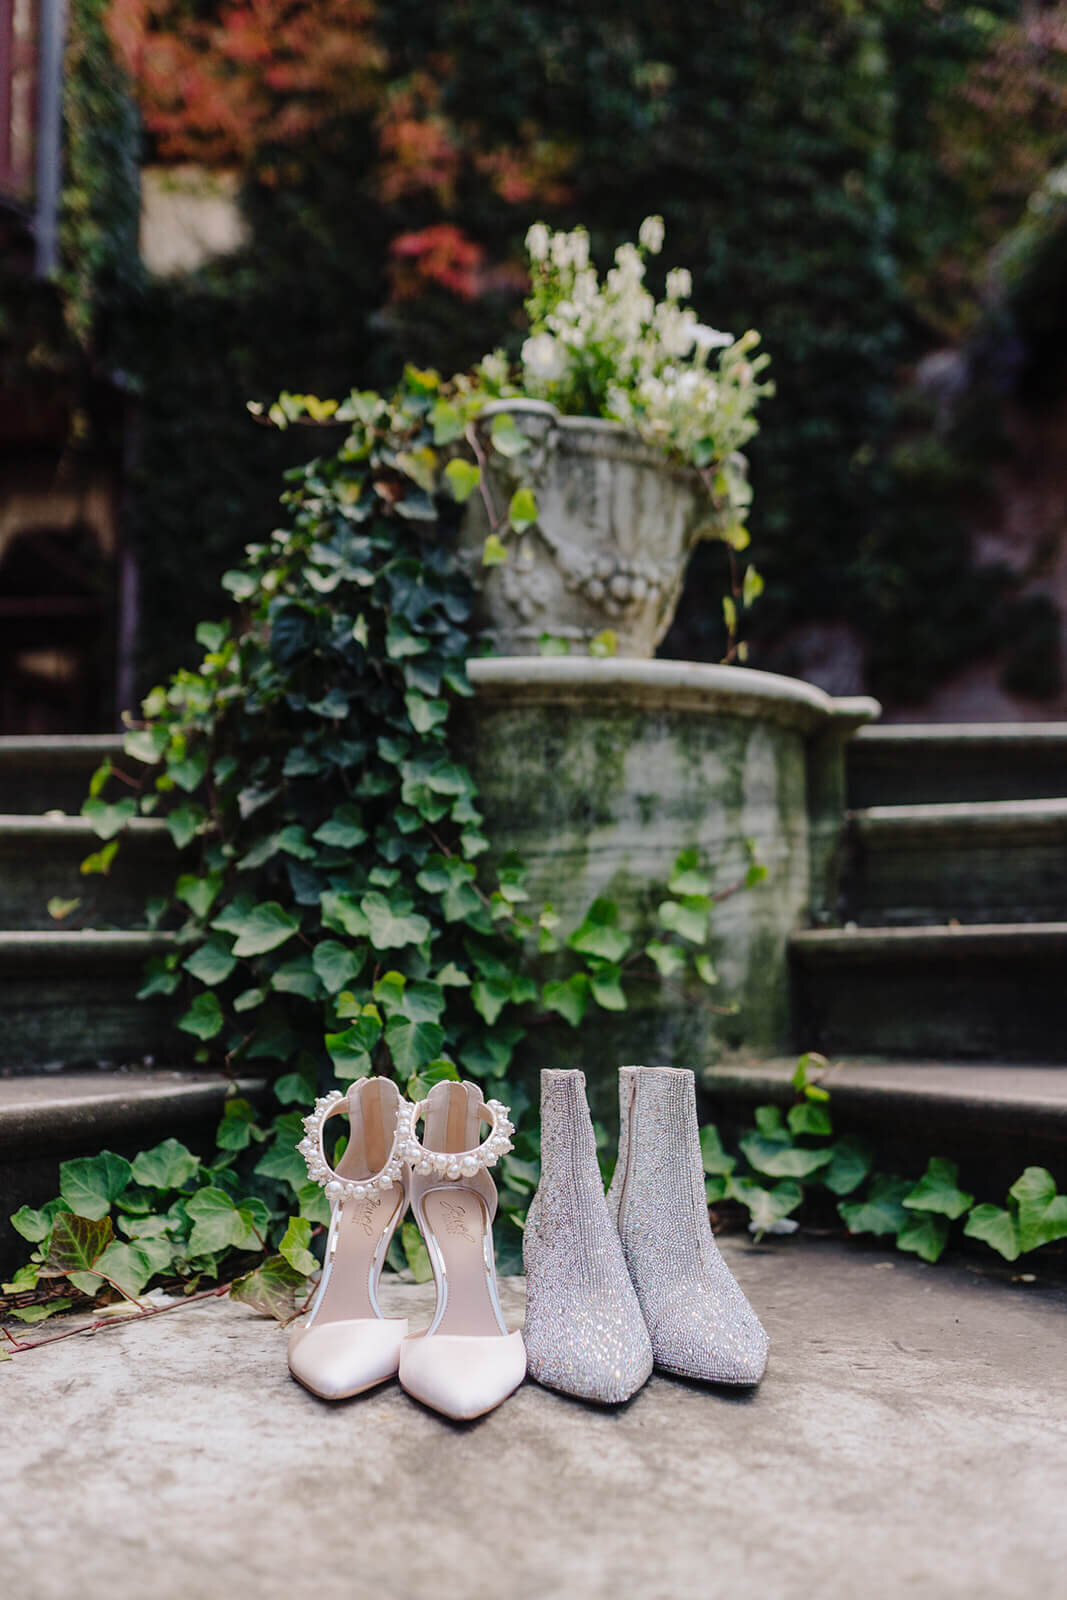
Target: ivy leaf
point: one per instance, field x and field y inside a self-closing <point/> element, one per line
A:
<point x="423" y="1001"/>
<point x="668" y="959"/>
<point x="522" y="511"/>
<point x="606" y="985"/>
<point x="341" y="914"/>
<point x="996" y="1228"/>
<point x="313" y="1203"/>
<point x="166" y="1166"/>
<point x="249" y="999"/>
<point x="599" y="934"/>
<point x="108" y="820"/>
<point x="446" y="422"/>
<point x="199" y="894"/>
<point x="462" y="477"/>
<point x="235" y="1129"/>
<point x="90" y="1183"/>
<point x="716" y="1161"/>
<point x="100" y="861"/>
<point x="489" y="996"/>
<point x="188" y="774"/>
<point x="270" y="1289"/>
<point x="298" y="1086"/>
<point x="183" y="822"/>
<point x="439" y="1071"/>
<point x="687" y="917"/>
<point x="216" y="1225"/>
<point x="779" y="1160"/>
<point x="392" y="925"/>
<point x="78" y="1241"/>
<point x="926" y="1235"/>
<point x="212" y="962"/>
<point x="204" y="1017"/>
<point x="38" y="1313"/>
<point x="767" y="1208"/>
<point x="851" y="1162"/>
<point x="335" y="964"/>
<point x="706" y="969"/>
<point x="1042" y="1212"/>
<point x="294" y="1246"/>
<point x="161" y="977"/>
<point x="506" y="438"/>
<point x="128" y="1265"/>
<point x="494" y="551"/>
<point x="297" y="977"/>
<point x="37" y="1225"/>
<point x="490" y="1056"/>
<point x="686" y="876"/>
<point x="265" y="928"/>
<point x="413" y="1044"/>
<point x="883" y="1209"/>
<point x="807" y="1118"/>
<point x="344" y="829"/>
<point x="350" y="1050"/>
<point x="569" y="998"/>
<point x="938" y="1190"/>
<point x="146" y="745"/>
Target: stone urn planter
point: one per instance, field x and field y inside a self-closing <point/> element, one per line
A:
<point x="617" y="523"/>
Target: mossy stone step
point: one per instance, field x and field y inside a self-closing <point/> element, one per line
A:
<point x="910" y="764"/>
<point x="69" y="999"/>
<point x="970" y="861"/>
<point x="48" y="1118"/>
<point x="41" y="857"/>
<point x="979" y="992"/>
<point x="993" y="1119"/>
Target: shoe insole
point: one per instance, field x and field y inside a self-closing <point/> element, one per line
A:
<point x="458" y="1222"/>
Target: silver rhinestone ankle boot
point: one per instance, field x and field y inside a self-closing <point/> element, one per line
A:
<point x="699" y="1321"/>
<point x="584" y="1331"/>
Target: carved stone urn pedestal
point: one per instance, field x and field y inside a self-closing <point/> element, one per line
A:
<point x="616" y="525"/>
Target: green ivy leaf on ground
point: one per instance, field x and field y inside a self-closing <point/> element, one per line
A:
<point x="270" y="1289"/>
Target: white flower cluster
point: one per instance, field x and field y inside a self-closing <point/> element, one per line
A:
<point x="610" y="349"/>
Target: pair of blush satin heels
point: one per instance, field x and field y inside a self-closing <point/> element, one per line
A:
<point x="466" y="1362"/>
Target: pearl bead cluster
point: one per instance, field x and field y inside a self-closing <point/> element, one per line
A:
<point x="455" y="1164"/>
<point x="319" y="1169"/>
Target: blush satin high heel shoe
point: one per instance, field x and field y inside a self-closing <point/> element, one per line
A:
<point x="344" y="1345"/>
<point x="466" y="1362"/>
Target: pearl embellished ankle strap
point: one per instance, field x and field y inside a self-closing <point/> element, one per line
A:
<point x="453" y="1164"/>
<point x="319" y="1169"/>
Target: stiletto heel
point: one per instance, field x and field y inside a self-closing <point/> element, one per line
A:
<point x="466" y="1362"/>
<point x="345" y="1345"/>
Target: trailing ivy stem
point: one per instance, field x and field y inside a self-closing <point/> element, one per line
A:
<point x="471" y="435"/>
<point x="115" y="1322"/>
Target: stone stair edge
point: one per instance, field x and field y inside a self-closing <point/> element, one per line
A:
<point x="963" y="735"/>
<point x="36" y="1110"/>
<point x="19" y="947"/>
<point x="938" y="939"/>
<point x="965" y="817"/>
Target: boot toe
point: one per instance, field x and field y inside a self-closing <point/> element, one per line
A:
<point x="606" y="1354"/>
<point x="710" y="1337"/>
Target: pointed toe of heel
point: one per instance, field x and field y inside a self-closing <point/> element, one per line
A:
<point x="462" y="1377"/>
<point x="336" y="1360"/>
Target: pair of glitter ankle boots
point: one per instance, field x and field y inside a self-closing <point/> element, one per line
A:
<point x="616" y="1285"/>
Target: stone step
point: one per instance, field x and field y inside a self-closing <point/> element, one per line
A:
<point x="969" y="861"/>
<point x="984" y="991"/>
<point x="51" y="773"/>
<point x="69" y="999"/>
<point x="40" y="859"/>
<point x="51" y="1117"/>
<point x="909" y="764"/>
<point x="994" y="1119"/>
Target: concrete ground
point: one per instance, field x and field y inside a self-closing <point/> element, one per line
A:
<point x="910" y="1439"/>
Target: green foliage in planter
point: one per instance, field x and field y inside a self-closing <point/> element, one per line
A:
<point x="788" y="1157"/>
